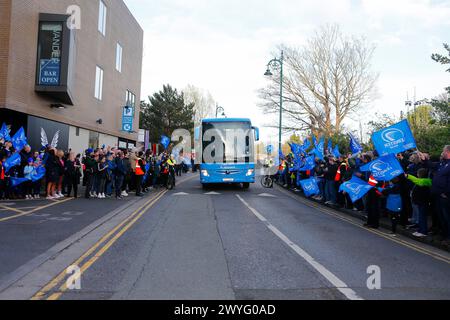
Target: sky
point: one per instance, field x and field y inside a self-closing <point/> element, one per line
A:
<point x="223" y="46"/>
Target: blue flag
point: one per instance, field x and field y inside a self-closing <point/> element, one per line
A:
<point x="330" y="146"/>
<point x="38" y="174"/>
<point x="4" y="132"/>
<point x="295" y="148"/>
<point x="16" y="181"/>
<point x="310" y="186"/>
<point x="384" y="168"/>
<point x="12" y="161"/>
<point x="394" y="139"/>
<point x="306" y="144"/>
<point x="165" y="141"/>
<point x="308" y="163"/>
<point x="354" y="145"/>
<point x="318" y="148"/>
<point x="336" y="152"/>
<point x="19" y="140"/>
<point x="356" y="188"/>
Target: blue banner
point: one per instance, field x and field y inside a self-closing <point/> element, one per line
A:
<point x="165" y="141"/>
<point x="384" y="168"/>
<point x="4" y="132"/>
<point x="306" y="144"/>
<point x="308" y="163"/>
<point x="336" y="152"/>
<point x="19" y="140"/>
<point x="12" y="161"/>
<point x="394" y="139"/>
<point x="38" y="174"/>
<point x="14" y="182"/>
<point x="330" y="146"/>
<point x="310" y="187"/>
<point x="356" y="188"/>
<point x="355" y="147"/>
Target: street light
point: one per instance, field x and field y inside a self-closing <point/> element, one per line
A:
<point x="272" y="64"/>
<point x="221" y="110"/>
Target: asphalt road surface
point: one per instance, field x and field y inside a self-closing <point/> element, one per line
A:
<point x="221" y="243"/>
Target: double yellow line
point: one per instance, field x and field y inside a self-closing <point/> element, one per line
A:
<point x="49" y="292"/>
<point x="330" y="212"/>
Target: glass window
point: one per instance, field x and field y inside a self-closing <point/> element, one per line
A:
<point x="99" y="83"/>
<point x="130" y="99"/>
<point x="233" y="139"/>
<point x="102" y="18"/>
<point x="119" y="51"/>
<point x="49" y="53"/>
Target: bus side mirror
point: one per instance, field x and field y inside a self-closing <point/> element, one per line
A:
<point x="256" y="133"/>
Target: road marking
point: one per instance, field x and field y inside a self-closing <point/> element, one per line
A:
<point x="212" y="193"/>
<point x="329" y="212"/>
<point x="53" y="283"/>
<point x="181" y="194"/>
<point x="333" y="279"/>
<point x="99" y="253"/>
<point x="11" y="209"/>
<point x="267" y="195"/>
<point x="40" y="295"/>
<point x="26" y="213"/>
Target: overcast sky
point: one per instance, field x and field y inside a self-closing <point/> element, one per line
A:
<point x="223" y="46"/>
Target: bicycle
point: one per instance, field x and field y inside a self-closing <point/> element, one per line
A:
<point x="267" y="181"/>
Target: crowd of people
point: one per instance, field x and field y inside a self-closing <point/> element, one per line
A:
<point x="424" y="189"/>
<point x="103" y="172"/>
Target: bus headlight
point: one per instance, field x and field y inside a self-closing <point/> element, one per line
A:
<point x="250" y="172"/>
<point x="205" y="173"/>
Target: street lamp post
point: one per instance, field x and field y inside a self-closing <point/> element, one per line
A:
<point x="221" y="110"/>
<point x="275" y="63"/>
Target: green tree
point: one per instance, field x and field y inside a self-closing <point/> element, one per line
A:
<point x="443" y="59"/>
<point x="165" y="112"/>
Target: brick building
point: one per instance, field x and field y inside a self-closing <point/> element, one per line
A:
<point x="70" y="70"/>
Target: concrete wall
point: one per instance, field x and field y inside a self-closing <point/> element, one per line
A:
<point x="108" y="140"/>
<point x="78" y="143"/>
<point x="91" y="49"/>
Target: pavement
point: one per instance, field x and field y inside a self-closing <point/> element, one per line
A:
<point x="223" y="243"/>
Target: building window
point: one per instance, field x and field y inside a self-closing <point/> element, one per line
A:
<point x="77" y="132"/>
<point x="94" y="139"/>
<point x="130" y="99"/>
<point x="119" y="51"/>
<point x="102" y="18"/>
<point x="99" y="83"/>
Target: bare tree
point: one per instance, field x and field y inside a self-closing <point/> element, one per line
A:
<point x="203" y="100"/>
<point x="324" y="82"/>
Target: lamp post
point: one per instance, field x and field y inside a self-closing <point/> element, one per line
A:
<point x="221" y="110"/>
<point x="278" y="63"/>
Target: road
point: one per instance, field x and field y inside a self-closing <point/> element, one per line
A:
<point x="222" y="243"/>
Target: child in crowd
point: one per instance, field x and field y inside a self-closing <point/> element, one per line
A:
<point x="27" y="172"/>
<point x="421" y="198"/>
<point x="394" y="204"/>
<point x="101" y="178"/>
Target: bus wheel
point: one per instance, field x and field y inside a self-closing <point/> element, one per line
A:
<point x="246" y="185"/>
<point x="204" y="186"/>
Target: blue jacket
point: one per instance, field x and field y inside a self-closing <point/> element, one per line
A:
<point x="441" y="177"/>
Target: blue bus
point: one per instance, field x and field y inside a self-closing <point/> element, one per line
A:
<point x="225" y="149"/>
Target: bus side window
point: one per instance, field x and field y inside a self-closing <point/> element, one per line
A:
<point x="197" y="134"/>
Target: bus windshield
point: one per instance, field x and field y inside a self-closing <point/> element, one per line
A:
<point x="227" y="142"/>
